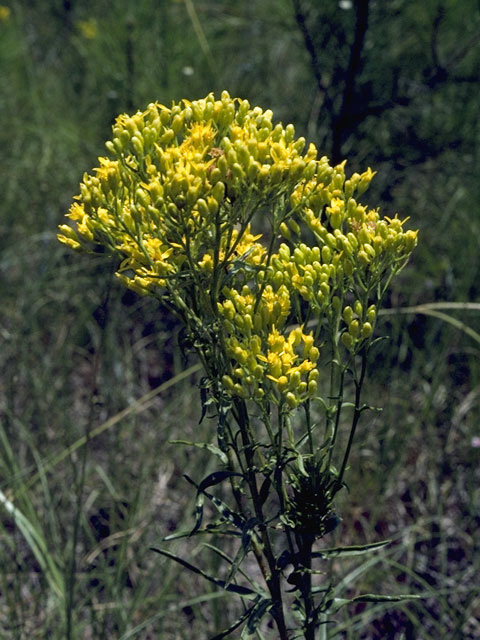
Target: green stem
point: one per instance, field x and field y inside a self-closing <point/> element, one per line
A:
<point x="305" y="543"/>
<point x="338" y="412"/>
<point x="273" y="579"/>
<point x="356" y="415"/>
<point x="309" y="426"/>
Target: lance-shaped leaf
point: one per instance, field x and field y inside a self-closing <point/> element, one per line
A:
<point x="213" y="479"/>
<point x="226" y="632"/>
<point x="256" y="614"/>
<point x="264" y="490"/>
<point x="256" y="586"/>
<point x="222" y="426"/>
<point x="210" y="529"/>
<point x="204" y="445"/>
<point x="203" y="398"/>
<point x="243" y="592"/>
<point x="338" y="603"/>
<point x="248" y="531"/>
<point x="355" y="550"/>
<point x="226" y="512"/>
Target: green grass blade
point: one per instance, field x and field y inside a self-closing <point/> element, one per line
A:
<point x="38" y="546"/>
<point x="433" y="309"/>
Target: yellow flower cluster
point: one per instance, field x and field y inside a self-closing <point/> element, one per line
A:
<point x="308" y="271"/>
<point x="283" y="364"/>
<point x="260" y="353"/>
<point x="354" y="239"/>
<point x="181" y="178"/>
<point x="236" y="247"/>
<point x="4" y="13"/>
<point x="359" y="324"/>
<point x="177" y="202"/>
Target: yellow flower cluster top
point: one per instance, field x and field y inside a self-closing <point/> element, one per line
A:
<point x="185" y="200"/>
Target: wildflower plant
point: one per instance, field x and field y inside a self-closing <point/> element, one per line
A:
<point x="276" y="272"/>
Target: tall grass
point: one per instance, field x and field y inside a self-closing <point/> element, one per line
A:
<point x="92" y="383"/>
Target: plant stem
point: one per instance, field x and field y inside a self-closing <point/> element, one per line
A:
<point x="356" y="415"/>
<point x="273" y="579"/>
<point x="305" y="543"/>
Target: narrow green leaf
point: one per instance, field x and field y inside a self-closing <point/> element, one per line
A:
<point x="244" y="592"/>
<point x="338" y="603"/>
<point x="248" y="531"/>
<point x="301" y="465"/>
<point x="226" y="512"/>
<point x="215" y="478"/>
<point x="356" y="550"/>
<point x="235" y="625"/>
<point x="258" y="611"/>
<point x="222" y="426"/>
<point x="239" y="556"/>
<point x="203" y="400"/>
<point x="256" y="586"/>
<point x="264" y="490"/>
<point x="203" y="445"/>
<point x="208" y="530"/>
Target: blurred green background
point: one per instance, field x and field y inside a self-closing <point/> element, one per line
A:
<point x="393" y="85"/>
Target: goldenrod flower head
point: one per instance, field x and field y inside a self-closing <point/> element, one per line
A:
<point x="88" y="28"/>
<point x="4" y="13"/>
<point x="177" y="202"/>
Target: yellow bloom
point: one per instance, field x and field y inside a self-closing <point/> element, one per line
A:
<point x="4" y="13"/>
<point x="88" y="28"/>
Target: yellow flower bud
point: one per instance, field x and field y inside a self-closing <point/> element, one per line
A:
<point x="367" y="330"/>
<point x="410" y="240"/>
<point x="227" y="383"/>
<point x="354" y="328"/>
<point x="289" y="133"/>
<point x="239" y="390"/>
<point x="258" y="372"/>
<point x="369" y="250"/>
<point x="137" y="144"/>
<point x="371" y="314"/>
<point x="312" y="387"/>
<point x="299" y="144"/>
<point x="285" y="231"/>
<point x="363" y="258"/>
<point x="295" y="379"/>
<point x="294" y="226"/>
<point x="291" y="400"/>
<point x="347" y="340"/>
<point x="241" y="355"/>
<point x="212" y="205"/>
<point x="348" y="314"/>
